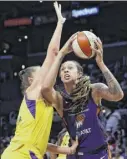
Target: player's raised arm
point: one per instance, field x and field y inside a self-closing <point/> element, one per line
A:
<point x="52" y="51"/>
<point x="112" y="91"/>
<point x="48" y="92"/>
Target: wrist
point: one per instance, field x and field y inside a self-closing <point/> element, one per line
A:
<point x="62" y="52"/>
<point x="101" y="64"/>
<point x="70" y="151"/>
<point x="60" y="22"/>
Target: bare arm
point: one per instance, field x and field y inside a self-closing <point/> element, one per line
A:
<point x="63" y="150"/>
<point x="52" y="51"/>
<point x="113" y="91"/>
<point x="58" y="150"/>
<point x="54" y="44"/>
<point x="48" y="92"/>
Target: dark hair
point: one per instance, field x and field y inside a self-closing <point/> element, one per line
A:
<point x="24" y="74"/>
<point x="79" y="67"/>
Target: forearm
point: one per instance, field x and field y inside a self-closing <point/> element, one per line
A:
<point x="57" y="149"/>
<point x="112" y="83"/>
<point x="52" y="74"/>
<point x="54" y="44"/>
<point x="53" y="49"/>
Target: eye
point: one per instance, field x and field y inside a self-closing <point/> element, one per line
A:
<point x="62" y="68"/>
<point x="70" y="67"/>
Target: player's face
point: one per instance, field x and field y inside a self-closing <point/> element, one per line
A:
<point x="68" y="72"/>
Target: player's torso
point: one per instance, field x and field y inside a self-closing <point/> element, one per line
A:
<point x="33" y="124"/>
<point x="86" y="126"/>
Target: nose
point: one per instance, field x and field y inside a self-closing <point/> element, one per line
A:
<point x="66" y="70"/>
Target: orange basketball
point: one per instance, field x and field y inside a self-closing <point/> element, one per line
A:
<point x="81" y="45"/>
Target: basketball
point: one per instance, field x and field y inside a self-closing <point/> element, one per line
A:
<point x="81" y="45"/>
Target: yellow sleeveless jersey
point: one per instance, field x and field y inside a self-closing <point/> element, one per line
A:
<point x="33" y="126"/>
<point x="65" y="142"/>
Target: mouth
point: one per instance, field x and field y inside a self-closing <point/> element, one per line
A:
<point x="66" y="76"/>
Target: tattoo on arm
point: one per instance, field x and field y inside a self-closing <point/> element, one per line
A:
<point x="114" y="87"/>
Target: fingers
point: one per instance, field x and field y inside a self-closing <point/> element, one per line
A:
<point x="56" y="6"/>
<point x="60" y="7"/>
<point x="72" y="38"/>
<point x="99" y="40"/>
<point x="74" y="35"/>
<point x="95" y="50"/>
<point x="71" y="41"/>
<point x="99" y="45"/>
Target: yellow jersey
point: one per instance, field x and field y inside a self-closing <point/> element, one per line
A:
<point x="64" y="143"/>
<point x="33" y="127"/>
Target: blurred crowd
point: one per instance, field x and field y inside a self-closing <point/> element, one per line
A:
<point x="114" y="114"/>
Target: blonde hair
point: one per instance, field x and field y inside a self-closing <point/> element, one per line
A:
<point x="24" y="74"/>
<point x="80" y="95"/>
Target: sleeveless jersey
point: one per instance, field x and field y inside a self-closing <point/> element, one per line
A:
<point x="64" y="143"/>
<point x="86" y="125"/>
<point x="33" y="125"/>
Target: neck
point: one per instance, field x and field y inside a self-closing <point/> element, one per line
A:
<point x="69" y="87"/>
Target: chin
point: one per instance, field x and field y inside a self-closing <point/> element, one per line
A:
<point x="67" y="81"/>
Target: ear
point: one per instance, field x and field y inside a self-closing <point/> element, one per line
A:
<point x="80" y="74"/>
<point x="30" y="80"/>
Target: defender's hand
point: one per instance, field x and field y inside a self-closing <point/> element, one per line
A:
<point x="61" y="19"/>
<point x="74" y="146"/>
<point x="67" y="48"/>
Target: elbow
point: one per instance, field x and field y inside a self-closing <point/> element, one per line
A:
<point x="54" y="50"/>
<point x="46" y="89"/>
<point x="119" y="96"/>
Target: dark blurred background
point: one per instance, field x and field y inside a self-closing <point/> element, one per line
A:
<point x="25" y="32"/>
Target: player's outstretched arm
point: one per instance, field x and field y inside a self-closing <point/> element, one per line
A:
<point x="52" y="50"/>
<point x="48" y="92"/>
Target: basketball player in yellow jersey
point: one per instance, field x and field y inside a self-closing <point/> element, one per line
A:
<point x="63" y="141"/>
<point x="35" y="114"/>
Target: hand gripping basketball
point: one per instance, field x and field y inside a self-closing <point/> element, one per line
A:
<point x="98" y="51"/>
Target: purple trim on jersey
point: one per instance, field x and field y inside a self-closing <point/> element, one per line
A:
<point x="31" y="105"/>
<point x="32" y="155"/>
